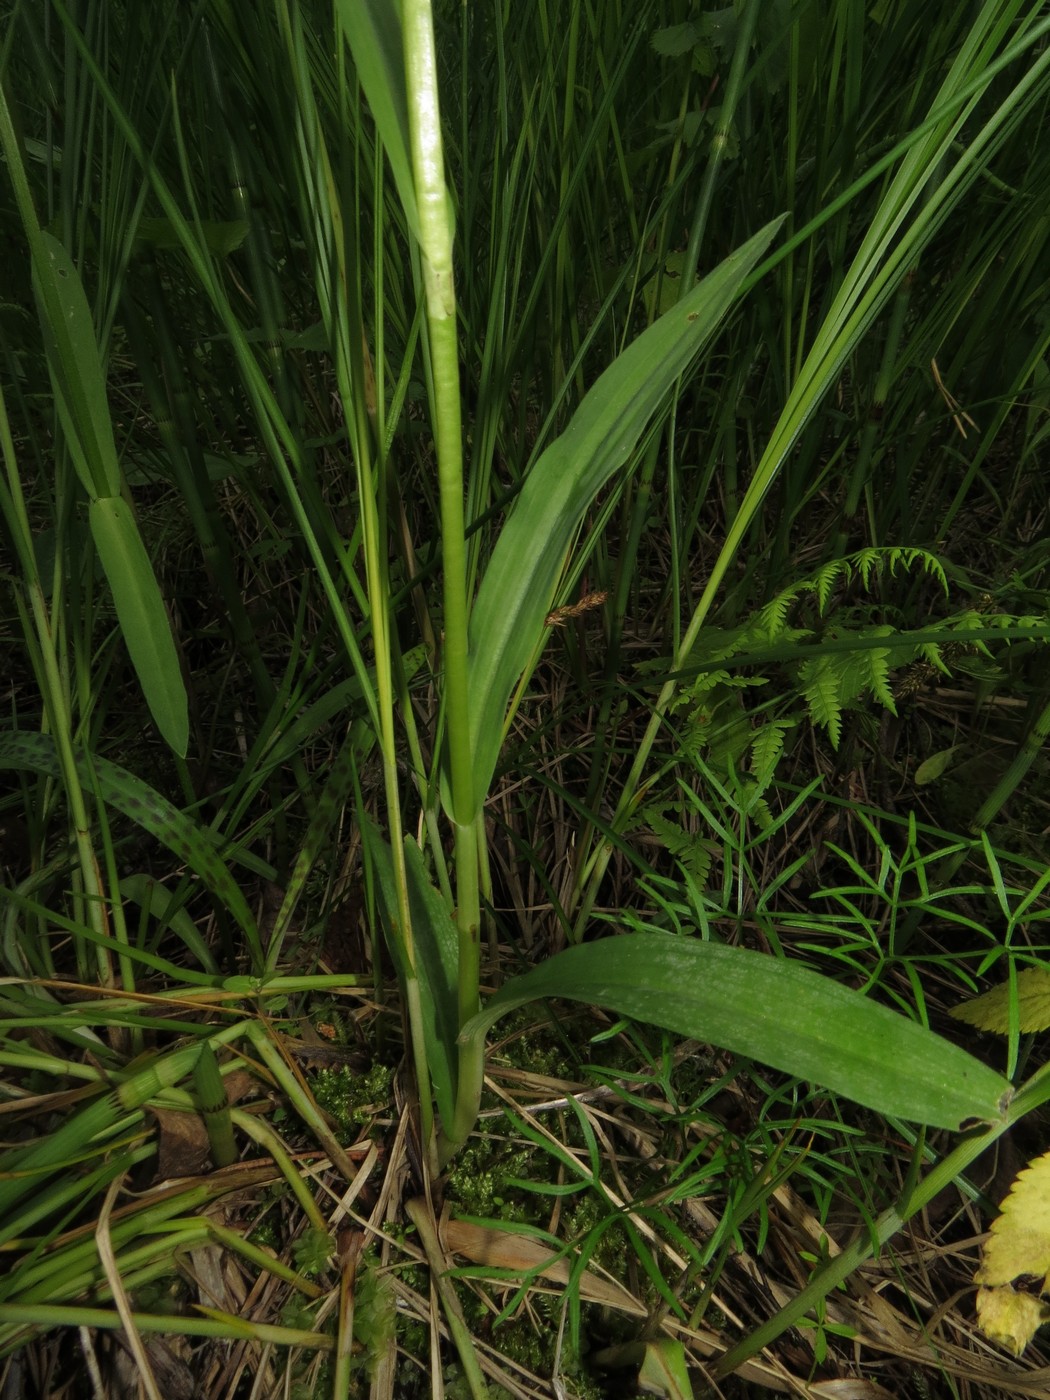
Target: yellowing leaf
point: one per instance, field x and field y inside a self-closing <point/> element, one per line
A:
<point x="1008" y="1318"/>
<point x="991" y="1011"/>
<point x="1019" y="1244"/>
<point x="1018" y="1249"/>
<point x="504" y="1249"/>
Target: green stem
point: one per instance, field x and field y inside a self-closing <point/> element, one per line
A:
<point x="419" y="1213"/>
<point x="1034" y="1093"/>
<point x="435" y="239"/>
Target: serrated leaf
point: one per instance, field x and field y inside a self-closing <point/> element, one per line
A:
<point x="142" y="617"/>
<point x="766" y="748"/>
<point x="878" y="673"/>
<point x="1018" y="1251"/>
<point x="772" y="1010"/>
<point x="820" y="680"/>
<point x="991" y="1010"/>
<point x="1019" y="1243"/>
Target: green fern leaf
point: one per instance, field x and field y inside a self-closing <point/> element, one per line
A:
<point x="820" y="689"/>
<point x="691" y="850"/>
<point x="767" y="745"/>
<point x="878" y="673"/>
<point x="772" y="619"/>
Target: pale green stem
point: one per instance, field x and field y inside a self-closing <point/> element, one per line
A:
<point x="1034" y="1093"/>
<point x="435" y="238"/>
<point x="421" y="1217"/>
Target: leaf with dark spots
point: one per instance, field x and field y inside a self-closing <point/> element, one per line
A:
<point x="139" y="802"/>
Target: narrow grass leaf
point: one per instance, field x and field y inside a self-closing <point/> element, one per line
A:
<point x="771" y="1010"/>
<point x="518" y="589"/>
<point x="142" y="616"/>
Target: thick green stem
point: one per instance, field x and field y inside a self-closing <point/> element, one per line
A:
<point x="435" y="237"/>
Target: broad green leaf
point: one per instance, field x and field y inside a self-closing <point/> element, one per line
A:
<point x="664" y="1371"/>
<point x="154" y="813"/>
<point x="436" y="951"/>
<point x="76" y="369"/>
<point x="1018" y="1253"/>
<point x="218" y="236"/>
<point x="991" y="1011"/>
<point x="930" y="769"/>
<point x="517" y="591"/>
<point x="142" y="616"/>
<point x="771" y="1010"/>
<point x="373" y="31"/>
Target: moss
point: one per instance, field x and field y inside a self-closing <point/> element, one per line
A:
<point x="267" y="1234"/>
<point x="482" y="1176"/>
<point x="350" y="1099"/>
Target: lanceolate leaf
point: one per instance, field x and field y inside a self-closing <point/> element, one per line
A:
<point x="771" y="1010"/>
<point x="373" y="30"/>
<point x="518" y="588"/>
<point x="154" y="813"/>
<point x="143" y="620"/>
<point x="76" y="368"/>
<point x="435" y="946"/>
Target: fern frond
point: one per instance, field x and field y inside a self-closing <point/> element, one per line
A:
<point x="772" y="619"/>
<point x="766" y="749"/>
<point x="878" y="672"/>
<point x="821" y="679"/>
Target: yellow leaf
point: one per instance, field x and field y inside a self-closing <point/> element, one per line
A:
<point x="991" y="1012"/>
<point x="1009" y="1318"/>
<point x="1018" y="1252"/>
<point x="1019" y="1244"/>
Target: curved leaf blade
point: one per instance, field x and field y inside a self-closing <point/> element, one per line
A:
<point x="775" y="1011"/>
<point x="373" y="31"/>
<point x="142" y="616"/>
<point x="76" y="368"/>
<point x="517" y="591"/>
<point x="146" y="807"/>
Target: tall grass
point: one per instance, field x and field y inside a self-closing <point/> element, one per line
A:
<point x="421" y="348"/>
